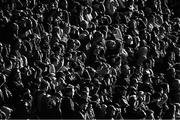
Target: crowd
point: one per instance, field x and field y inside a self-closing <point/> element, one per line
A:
<point x="89" y="59"/>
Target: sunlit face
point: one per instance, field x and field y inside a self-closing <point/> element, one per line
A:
<point x="84" y="106"/>
<point x="172" y="72"/>
<point x="128" y="13"/>
<point x="73" y="92"/>
<point x="147" y="99"/>
<point x="96" y="51"/>
<point x="85" y="95"/>
<point x="113" y="112"/>
<point x="18" y="75"/>
<point x="127" y="71"/>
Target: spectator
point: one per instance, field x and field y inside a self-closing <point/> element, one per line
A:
<point x="67" y="104"/>
<point x="89" y="59"/>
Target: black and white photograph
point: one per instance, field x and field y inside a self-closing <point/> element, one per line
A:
<point x="90" y="59"/>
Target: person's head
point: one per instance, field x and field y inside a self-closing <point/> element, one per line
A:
<point x="98" y="35"/>
<point x="7" y="111"/>
<point x="15" y="28"/>
<point x="83" y="103"/>
<point x="18" y="44"/>
<point x="133" y="101"/>
<point x="141" y="96"/>
<point x="172" y="72"/>
<point x="95" y="98"/>
<point x="96" y="83"/>
<point x="110" y="44"/>
<point x="84" y="92"/>
<point x="148" y="98"/>
<point x="121" y="90"/>
<point x="156" y="97"/>
<point x="27" y="95"/>
<point x="128" y="13"/>
<point x="63" y="4"/>
<point x="1" y="47"/>
<point x="132" y="90"/>
<point x="147" y="63"/>
<point x="69" y="91"/>
<point x="91" y="71"/>
<point x="134" y="81"/>
<point x="110" y="111"/>
<point x="16" y="73"/>
<point x="44" y="86"/>
<point x="104" y="107"/>
<point x="172" y="109"/>
<point x="97" y="50"/>
<point x="2" y="79"/>
<point x="147" y="77"/>
<point x="126" y="69"/>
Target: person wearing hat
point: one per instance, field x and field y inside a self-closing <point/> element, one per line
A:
<point x="111" y="6"/>
<point x="97" y="107"/>
<point x="75" y="13"/>
<point x="67" y="103"/>
<point x="81" y="111"/>
<point x="110" y="112"/>
<point x="146" y="84"/>
<point x="7" y="111"/>
<point x="142" y="52"/>
<point x="112" y="51"/>
<point x="2" y="95"/>
<point x="124" y="78"/>
<point x="144" y="105"/>
<point x="132" y="111"/>
<point x="154" y="105"/>
<point x="96" y="84"/>
<point x="42" y="102"/>
<point x="120" y="97"/>
<point x="95" y="54"/>
<point x="22" y="105"/>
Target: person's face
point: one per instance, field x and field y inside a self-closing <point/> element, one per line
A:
<point x="127" y="71"/>
<point x="85" y="95"/>
<point x="73" y="92"/>
<point x="123" y="92"/>
<point x="147" y="64"/>
<point x="96" y="51"/>
<point x="131" y="2"/>
<point x="172" y="72"/>
<point x="18" y="75"/>
<point x="84" y="106"/>
<point x="29" y="94"/>
<point x="112" y="44"/>
<point x="56" y="4"/>
<point x="113" y="113"/>
<point x="1" y="47"/>
<point x="128" y="14"/>
<point x="19" y="44"/>
<point x="147" y="99"/>
<point x="178" y="52"/>
<point x="141" y="99"/>
<point x="75" y="9"/>
<point x="148" y="78"/>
